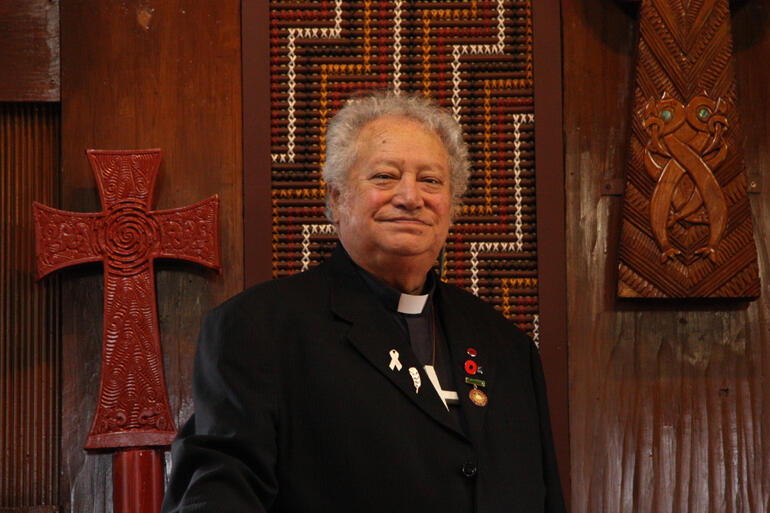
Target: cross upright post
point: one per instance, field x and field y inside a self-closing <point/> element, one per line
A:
<point x="132" y="416"/>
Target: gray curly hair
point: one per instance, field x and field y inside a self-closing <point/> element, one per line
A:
<point x="344" y="128"/>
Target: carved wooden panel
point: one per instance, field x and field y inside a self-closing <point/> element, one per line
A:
<point x="687" y="228"/>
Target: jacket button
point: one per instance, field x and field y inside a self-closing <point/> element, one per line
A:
<point x="469" y="469"/>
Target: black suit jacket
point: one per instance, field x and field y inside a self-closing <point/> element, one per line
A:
<point x="297" y="410"/>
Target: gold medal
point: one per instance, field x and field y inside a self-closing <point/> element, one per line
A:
<point x="478" y="397"/>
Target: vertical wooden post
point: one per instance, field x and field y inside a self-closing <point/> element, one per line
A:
<point x="137" y="480"/>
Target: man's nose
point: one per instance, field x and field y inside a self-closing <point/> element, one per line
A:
<point x="407" y="194"/>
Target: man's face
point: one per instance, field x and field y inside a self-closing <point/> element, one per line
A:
<point x="398" y="198"/>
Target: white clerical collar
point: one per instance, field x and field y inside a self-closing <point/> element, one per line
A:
<point x="411" y="304"/>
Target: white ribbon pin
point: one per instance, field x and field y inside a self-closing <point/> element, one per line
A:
<point x="394" y="363"/>
<point x="416" y="379"/>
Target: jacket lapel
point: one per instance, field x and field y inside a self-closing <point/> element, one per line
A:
<point x="464" y="333"/>
<point x="374" y="333"/>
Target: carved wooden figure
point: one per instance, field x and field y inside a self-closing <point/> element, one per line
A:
<point x="686" y="220"/>
<point x="132" y="410"/>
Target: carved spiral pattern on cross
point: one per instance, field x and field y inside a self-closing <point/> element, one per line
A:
<point x="128" y="237"/>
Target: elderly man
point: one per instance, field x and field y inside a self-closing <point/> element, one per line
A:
<point x="366" y="384"/>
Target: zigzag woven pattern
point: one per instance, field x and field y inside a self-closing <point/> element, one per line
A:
<point x="686" y="229"/>
<point x="473" y="57"/>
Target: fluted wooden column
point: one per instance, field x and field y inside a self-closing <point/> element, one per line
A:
<point x="30" y="338"/>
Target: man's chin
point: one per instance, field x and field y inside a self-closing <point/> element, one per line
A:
<point x="407" y="248"/>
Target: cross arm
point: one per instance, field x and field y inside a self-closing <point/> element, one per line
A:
<point x="63" y="238"/>
<point x="191" y="233"/>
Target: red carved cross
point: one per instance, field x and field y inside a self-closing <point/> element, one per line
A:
<point x="133" y="409"/>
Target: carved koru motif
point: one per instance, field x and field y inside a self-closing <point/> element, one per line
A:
<point x="132" y="409"/>
<point x="684" y="149"/>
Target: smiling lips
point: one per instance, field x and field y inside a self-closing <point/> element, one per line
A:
<point x="405" y="220"/>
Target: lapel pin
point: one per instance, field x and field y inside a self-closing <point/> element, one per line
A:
<point x="476" y="382"/>
<point x="415" y="379"/>
<point x="471" y="367"/>
<point x="471" y="352"/>
<point x="394" y="363"/>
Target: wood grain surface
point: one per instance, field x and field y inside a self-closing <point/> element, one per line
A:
<point x="143" y="75"/>
<point x="668" y="404"/>
<point x="29" y="53"/>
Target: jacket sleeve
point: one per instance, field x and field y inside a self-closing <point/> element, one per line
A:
<point x="554" y="499"/>
<point x="224" y="458"/>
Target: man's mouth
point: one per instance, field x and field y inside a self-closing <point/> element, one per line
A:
<point x="404" y="220"/>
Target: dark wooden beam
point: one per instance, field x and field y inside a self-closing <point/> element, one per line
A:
<point x="257" y="220"/>
<point x="551" y="248"/>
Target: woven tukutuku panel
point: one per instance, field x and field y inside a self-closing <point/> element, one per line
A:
<point x="474" y="58"/>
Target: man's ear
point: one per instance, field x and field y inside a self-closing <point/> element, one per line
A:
<point x="333" y="197"/>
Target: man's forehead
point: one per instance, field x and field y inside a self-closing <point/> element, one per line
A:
<point x="386" y="124"/>
<point x="378" y="133"/>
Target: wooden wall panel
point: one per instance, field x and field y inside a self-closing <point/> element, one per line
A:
<point x="29" y="53"/>
<point x="140" y="74"/>
<point x="669" y="404"/>
<point x="29" y="320"/>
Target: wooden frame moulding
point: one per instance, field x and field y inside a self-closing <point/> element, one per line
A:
<point x="551" y="235"/>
